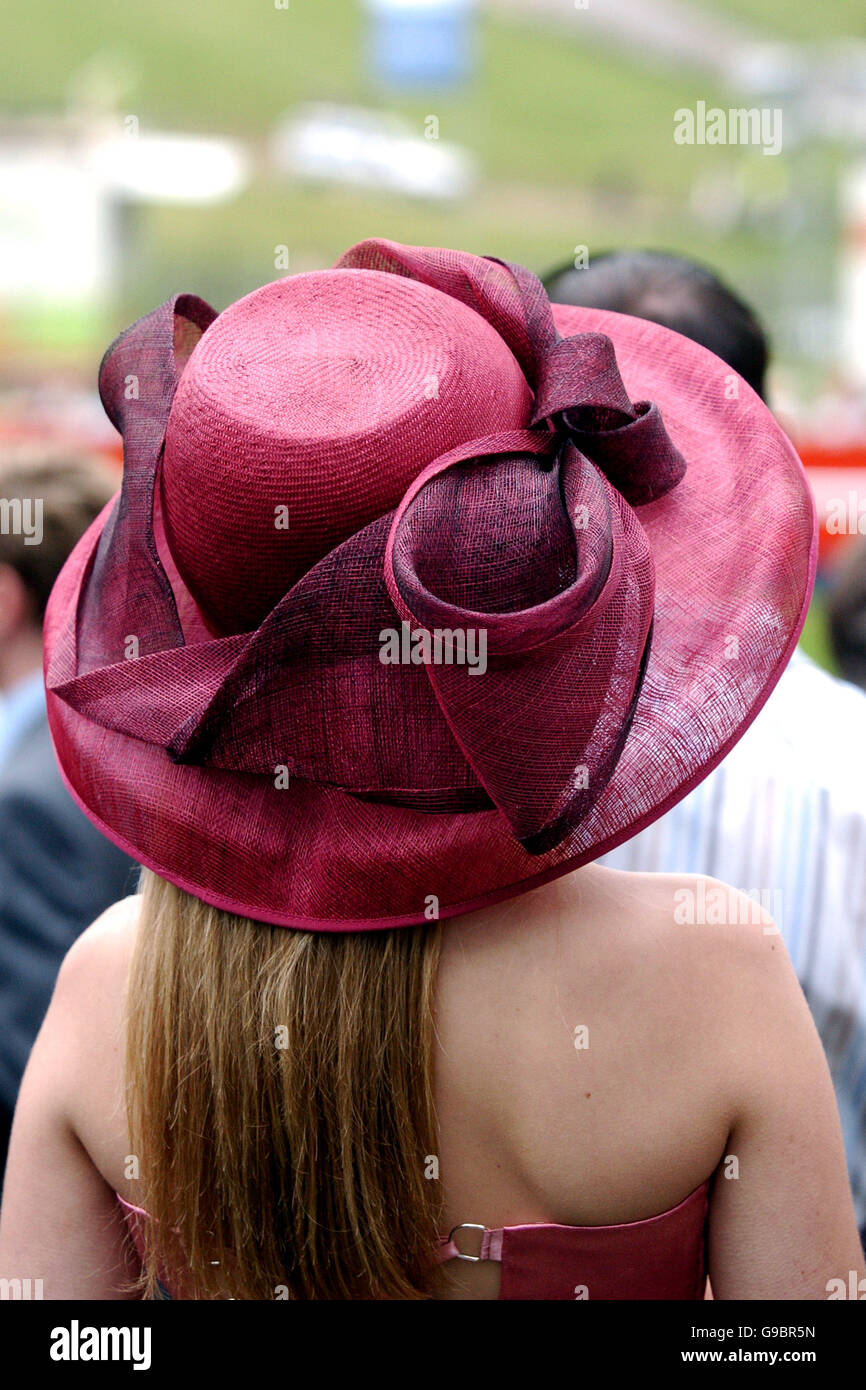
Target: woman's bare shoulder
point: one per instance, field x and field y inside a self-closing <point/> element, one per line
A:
<point x="95" y="967"/>
<point x="683" y="921"/>
<point x="113" y="931"/>
<point x="704" y="941"/>
<point x="693" y="909"/>
<point x="675" y="944"/>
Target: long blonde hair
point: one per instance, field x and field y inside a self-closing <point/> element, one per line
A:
<point x="280" y="1104"/>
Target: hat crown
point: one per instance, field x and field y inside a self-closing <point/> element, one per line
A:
<point x="303" y="414"/>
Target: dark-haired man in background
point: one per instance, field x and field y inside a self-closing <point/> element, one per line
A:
<point x="676" y="293"/>
<point x="785" y="812"/>
<point x="57" y="873"/>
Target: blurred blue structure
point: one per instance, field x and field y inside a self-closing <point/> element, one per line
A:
<point x="421" y="43"/>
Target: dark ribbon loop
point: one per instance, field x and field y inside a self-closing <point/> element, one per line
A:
<point x="581" y="392"/>
<point x="137" y="381"/>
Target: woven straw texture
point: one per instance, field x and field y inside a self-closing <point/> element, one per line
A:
<point x="415" y="443"/>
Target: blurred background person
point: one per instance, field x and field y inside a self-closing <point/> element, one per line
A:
<point x="673" y="291"/>
<point x="846" y="612"/>
<point x="56" y="871"/>
<point x="784" y="814"/>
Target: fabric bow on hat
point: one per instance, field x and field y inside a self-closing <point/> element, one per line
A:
<point x="529" y="537"/>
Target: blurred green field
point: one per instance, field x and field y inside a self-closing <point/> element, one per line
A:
<point x="787" y="19"/>
<point x="575" y="143"/>
<point x="815" y="639"/>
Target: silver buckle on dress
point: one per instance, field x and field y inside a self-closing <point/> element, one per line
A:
<point x="467" y="1226"/>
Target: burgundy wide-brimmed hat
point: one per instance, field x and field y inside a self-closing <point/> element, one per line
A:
<point x="418" y="592"/>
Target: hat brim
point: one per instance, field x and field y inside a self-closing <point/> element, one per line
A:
<point x="734" y="547"/>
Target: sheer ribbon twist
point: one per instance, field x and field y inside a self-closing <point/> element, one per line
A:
<point x="529" y="538"/>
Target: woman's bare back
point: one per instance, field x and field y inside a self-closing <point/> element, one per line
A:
<point x="572" y="1076"/>
<point x="597" y="1060"/>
